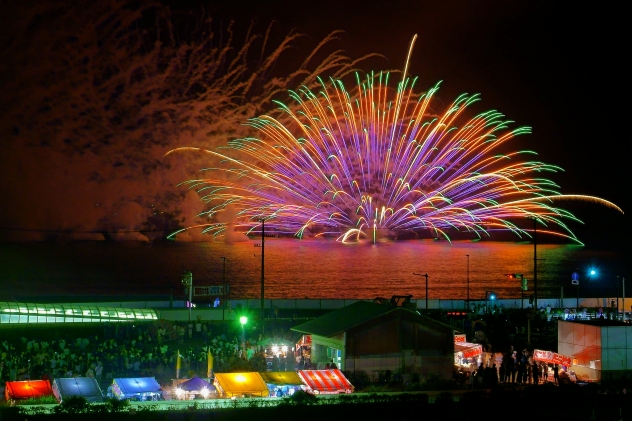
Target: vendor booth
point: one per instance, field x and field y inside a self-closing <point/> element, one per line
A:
<point x="27" y="389"/>
<point x="194" y="388"/>
<point x="563" y="362"/>
<point x="466" y="354"/>
<point x="304" y="347"/>
<point x="230" y="385"/>
<point x="136" y="388"/>
<point x="325" y="381"/>
<point x="282" y="383"/>
<point x="87" y="387"/>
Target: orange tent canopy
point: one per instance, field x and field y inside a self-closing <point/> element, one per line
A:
<point x="27" y="389"/>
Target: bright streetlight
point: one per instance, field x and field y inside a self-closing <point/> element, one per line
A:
<point x="243" y="320"/>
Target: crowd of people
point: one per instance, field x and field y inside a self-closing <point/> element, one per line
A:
<point x="514" y="369"/>
<point x="131" y="350"/>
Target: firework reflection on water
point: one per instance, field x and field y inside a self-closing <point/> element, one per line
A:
<point x="317" y="269"/>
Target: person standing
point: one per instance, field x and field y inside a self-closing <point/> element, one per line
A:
<point x="556" y="374"/>
<point x="536" y="372"/>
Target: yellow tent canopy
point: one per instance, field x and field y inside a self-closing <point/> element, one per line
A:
<point x="282" y="378"/>
<point x="240" y="384"/>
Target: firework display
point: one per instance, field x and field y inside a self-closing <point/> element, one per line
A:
<point x="378" y="161"/>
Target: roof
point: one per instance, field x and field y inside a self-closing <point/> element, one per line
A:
<point x="87" y="387"/>
<point x="282" y="378"/>
<point x="195" y="384"/>
<point x="237" y="384"/>
<point x="599" y="322"/>
<point x="326" y="381"/>
<point x="125" y="387"/>
<point x="356" y="314"/>
<point x="343" y="319"/>
<point x="27" y="389"/>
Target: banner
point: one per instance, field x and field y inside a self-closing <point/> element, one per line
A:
<point x="472" y="352"/>
<point x="178" y="364"/>
<point x="459" y="338"/>
<point x="552" y="357"/>
<point x="209" y="363"/>
<point x="206" y="291"/>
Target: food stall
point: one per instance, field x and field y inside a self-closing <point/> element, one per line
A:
<point x="551" y="358"/>
<point x="304" y="350"/>
<point x="231" y="385"/>
<point x="330" y="381"/>
<point x="87" y="387"/>
<point x="194" y="387"/>
<point x="282" y="383"/>
<point x="27" y="389"/>
<point x="466" y="354"/>
<point x="135" y="388"/>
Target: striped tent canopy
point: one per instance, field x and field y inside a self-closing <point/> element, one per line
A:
<point x="326" y="381"/>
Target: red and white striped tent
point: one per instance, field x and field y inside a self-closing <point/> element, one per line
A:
<point x="326" y="381"/>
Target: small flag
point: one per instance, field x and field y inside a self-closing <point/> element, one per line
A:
<point x="178" y="365"/>
<point x="209" y="365"/>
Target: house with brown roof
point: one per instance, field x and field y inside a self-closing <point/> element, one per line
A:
<point x="377" y="336"/>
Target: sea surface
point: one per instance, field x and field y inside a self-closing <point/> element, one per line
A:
<point x="315" y="269"/>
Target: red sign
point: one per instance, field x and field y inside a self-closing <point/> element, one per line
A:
<point x="459" y="338"/>
<point x="552" y="357"/>
<point x="471" y="352"/>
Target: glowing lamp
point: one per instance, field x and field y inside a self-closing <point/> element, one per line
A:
<point x="179" y="392"/>
<point x="243" y="320"/>
<point x="275" y="349"/>
<point x="240" y="378"/>
<point x="205" y="392"/>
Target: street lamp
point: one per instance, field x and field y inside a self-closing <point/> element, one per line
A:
<point x="224" y="288"/>
<point x="426" y="275"/>
<point x="622" y="297"/>
<point x="243" y="320"/>
<point x="187" y="281"/>
<point x="489" y="296"/>
<point x="523" y="284"/>
<point x="468" y="281"/>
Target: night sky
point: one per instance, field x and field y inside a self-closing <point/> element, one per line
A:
<point x="82" y="152"/>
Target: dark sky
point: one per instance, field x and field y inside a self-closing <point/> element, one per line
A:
<point x="562" y="71"/>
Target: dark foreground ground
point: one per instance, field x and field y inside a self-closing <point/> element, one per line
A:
<point x="572" y="405"/>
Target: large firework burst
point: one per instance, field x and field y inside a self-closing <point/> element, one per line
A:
<point x="357" y="163"/>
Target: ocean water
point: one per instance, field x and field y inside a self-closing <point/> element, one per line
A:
<point x="316" y="269"/>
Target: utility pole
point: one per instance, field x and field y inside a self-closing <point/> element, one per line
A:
<point x="263" y="241"/>
<point x="468" y="281"/>
<point x="224" y="288"/>
<point x="187" y="281"/>
<point x="535" y="265"/>
<point x="426" y="275"/>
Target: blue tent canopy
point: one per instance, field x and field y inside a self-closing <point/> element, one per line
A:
<point x="77" y="386"/>
<point x="196" y="384"/>
<point x="139" y="388"/>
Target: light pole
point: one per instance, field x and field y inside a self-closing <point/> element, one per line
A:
<point x="523" y="285"/>
<point x="622" y="296"/>
<point x="224" y="288"/>
<point x="243" y="320"/>
<point x="489" y="296"/>
<point x="426" y="275"/>
<point x="535" y="264"/>
<point x="187" y="281"/>
<point x="468" y="281"/>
